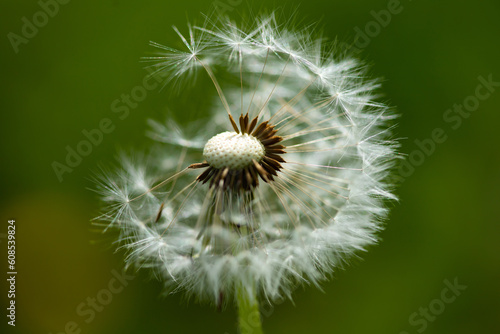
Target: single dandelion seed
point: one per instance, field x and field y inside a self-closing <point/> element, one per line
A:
<point x="279" y="187"/>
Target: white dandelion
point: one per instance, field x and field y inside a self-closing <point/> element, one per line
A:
<point x="280" y="186"/>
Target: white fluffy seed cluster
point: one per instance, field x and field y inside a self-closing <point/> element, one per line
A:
<point x="233" y="150"/>
<point x="327" y="203"/>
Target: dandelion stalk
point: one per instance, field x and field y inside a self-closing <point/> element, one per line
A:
<point x="248" y="312"/>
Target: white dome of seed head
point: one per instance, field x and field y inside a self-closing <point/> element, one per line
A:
<point x="232" y="150"/>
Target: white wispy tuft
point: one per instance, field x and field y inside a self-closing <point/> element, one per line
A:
<point x="325" y="204"/>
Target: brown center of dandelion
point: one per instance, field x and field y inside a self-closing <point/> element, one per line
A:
<point x="236" y="160"/>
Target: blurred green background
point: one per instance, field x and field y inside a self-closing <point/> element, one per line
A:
<point x="446" y="226"/>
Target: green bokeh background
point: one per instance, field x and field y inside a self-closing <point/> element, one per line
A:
<point x="446" y="225"/>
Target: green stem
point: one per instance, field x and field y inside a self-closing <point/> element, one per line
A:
<point x="248" y="313"/>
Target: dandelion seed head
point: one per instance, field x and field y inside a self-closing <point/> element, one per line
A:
<point x="281" y="185"/>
